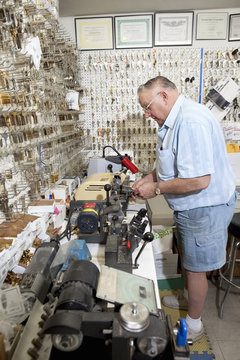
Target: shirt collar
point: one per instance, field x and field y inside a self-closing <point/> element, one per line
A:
<point x="172" y="116"/>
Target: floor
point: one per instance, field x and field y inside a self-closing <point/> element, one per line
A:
<point x="224" y="334"/>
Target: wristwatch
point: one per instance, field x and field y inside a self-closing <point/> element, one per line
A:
<point x="157" y="190"/>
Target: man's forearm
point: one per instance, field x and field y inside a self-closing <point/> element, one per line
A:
<point x="184" y="186"/>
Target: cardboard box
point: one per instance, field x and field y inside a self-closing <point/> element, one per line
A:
<point x="159" y="211"/>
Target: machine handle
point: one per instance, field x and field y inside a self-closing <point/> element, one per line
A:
<point x="182" y="333"/>
<point x="129" y="165"/>
<point x="107" y="188"/>
<point x="148" y="237"/>
<point x="124" y="159"/>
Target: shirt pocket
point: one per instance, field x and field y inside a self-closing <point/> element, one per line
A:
<point x="165" y="164"/>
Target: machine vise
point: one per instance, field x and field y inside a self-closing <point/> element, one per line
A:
<point x="100" y="210"/>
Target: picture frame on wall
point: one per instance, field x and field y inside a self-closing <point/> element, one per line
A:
<point x="94" y="33"/>
<point x="234" y="27"/>
<point x="133" y="31"/>
<point x="211" y="26"/>
<point x="173" y="28"/>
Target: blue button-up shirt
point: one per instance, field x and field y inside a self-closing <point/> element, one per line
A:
<point x="191" y="144"/>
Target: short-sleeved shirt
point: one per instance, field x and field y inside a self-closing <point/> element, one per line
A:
<point x="191" y="144"/>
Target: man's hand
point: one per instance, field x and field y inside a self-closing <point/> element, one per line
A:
<point x="138" y="183"/>
<point x="144" y="190"/>
<point x="152" y="177"/>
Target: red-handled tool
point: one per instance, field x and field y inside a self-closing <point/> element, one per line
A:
<point x="124" y="159"/>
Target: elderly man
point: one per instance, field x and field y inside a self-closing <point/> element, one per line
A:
<point x="194" y="175"/>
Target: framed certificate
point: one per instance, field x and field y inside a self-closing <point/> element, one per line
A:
<point x="211" y="26"/>
<point x="94" y="33"/>
<point x="173" y="28"/>
<point x="234" y="27"/>
<point x="134" y="31"/>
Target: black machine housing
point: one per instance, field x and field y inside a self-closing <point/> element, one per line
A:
<point x="86" y="327"/>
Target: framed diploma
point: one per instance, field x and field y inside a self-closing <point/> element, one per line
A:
<point x="234" y="27"/>
<point x="173" y="28"/>
<point x="94" y="33"/>
<point x="134" y="31"/>
<point x="211" y="26"/>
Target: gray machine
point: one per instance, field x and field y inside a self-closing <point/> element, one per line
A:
<point x="132" y="328"/>
<point x="99" y="212"/>
<point x="85" y="311"/>
<point x="107" y="313"/>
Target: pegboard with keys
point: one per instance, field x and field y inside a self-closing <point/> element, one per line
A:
<point x="110" y="78"/>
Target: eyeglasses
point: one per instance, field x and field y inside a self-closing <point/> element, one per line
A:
<point x="147" y="108"/>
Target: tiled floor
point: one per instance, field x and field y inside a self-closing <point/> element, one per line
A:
<point x="224" y="334"/>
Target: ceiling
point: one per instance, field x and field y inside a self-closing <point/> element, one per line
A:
<point x="101" y="7"/>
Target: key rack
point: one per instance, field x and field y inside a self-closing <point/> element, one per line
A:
<point x="39" y="134"/>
